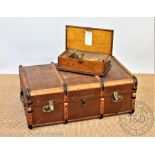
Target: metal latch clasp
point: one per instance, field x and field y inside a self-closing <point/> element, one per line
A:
<point x="49" y="107"/>
<point x="116" y="97"/>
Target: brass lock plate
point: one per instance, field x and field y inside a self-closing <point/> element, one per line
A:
<point x="49" y="107"/>
<point x="116" y="97"/>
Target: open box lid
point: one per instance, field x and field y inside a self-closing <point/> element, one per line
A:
<point x="88" y="39"/>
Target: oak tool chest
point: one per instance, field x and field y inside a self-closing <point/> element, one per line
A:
<point x="88" y="50"/>
<point x="50" y="96"/>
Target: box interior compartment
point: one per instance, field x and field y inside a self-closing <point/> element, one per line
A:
<point x="85" y="56"/>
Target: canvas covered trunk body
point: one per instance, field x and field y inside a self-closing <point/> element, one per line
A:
<point x="50" y="96"/>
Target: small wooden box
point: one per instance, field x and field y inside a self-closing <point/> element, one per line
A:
<point x="88" y="50"/>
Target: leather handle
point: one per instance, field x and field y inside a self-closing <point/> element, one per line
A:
<point x="25" y="97"/>
<point x="22" y="96"/>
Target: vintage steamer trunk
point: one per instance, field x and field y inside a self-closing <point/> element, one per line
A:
<point x="50" y="96"/>
<point x="88" y="50"/>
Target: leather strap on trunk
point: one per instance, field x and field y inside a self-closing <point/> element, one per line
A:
<point x="101" y="95"/>
<point x="101" y="107"/>
<point x="65" y="104"/>
<point x="66" y="112"/>
<point x="65" y="92"/>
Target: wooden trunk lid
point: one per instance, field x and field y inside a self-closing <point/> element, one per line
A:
<point x="42" y="79"/>
<point x="45" y="84"/>
<point x="89" y="39"/>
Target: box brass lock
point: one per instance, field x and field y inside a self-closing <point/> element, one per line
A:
<point x="49" y="107"/>
<point x="116" y="97"/>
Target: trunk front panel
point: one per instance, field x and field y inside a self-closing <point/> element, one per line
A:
<point x="41" y="116"/>
<point x="84" y="103"/>
<point x="77" y="110"/>
<point x="118" y="99"/>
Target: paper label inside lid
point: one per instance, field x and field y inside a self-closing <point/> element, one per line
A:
<point x="88" y="38"/>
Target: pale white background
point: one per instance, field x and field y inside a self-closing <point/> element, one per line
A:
<point x="30" y="41"/>
<point x="39" y="146"/>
